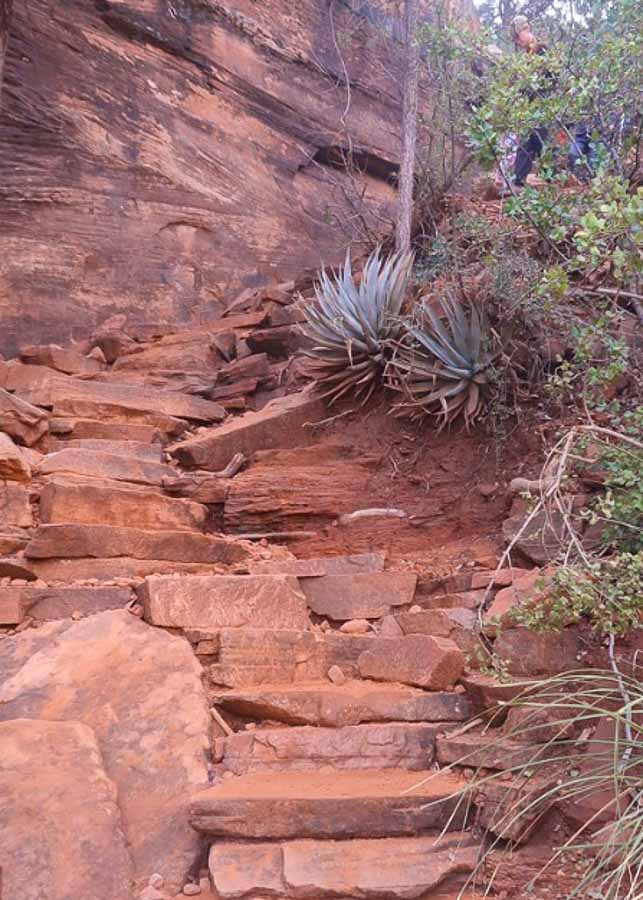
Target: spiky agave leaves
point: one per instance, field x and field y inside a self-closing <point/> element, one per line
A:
<point x="350" y="326"/>
<point x="440" y="366"/>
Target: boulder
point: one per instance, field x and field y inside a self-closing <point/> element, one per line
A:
<point x="98" y="504"/>
<point x="350" y="704"/>
<point x="61" y="833"/>
<point x="105" y="466"/>
<point x="12" y="539"/>
<point x="22" y="421"/>
<point x="380" y="746"/>
<point x="278" y="425"/>
<point x="13" y="466"/>
<point x="429" y="662"/>
<point x="365" y="596"/>
<point x="221" y="601"/>
<point x="528" y="590"/>
<point x="16" y="567"/>
<point x="336" y="805"/>
<point x="362" y="869"/>
<point x="542" y="540"/>
<point x="15" y="508"/>
<point x="139" y="689"/>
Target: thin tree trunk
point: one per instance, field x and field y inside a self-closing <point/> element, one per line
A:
<point x="409" y="126"/>
<point x="5" y="15"/>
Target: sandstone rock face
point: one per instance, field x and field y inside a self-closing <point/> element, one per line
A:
<point x="95" y="504"/>
<point x="140" y="690"/>
<point x="222" y="119"/>
<point x="63" y="602"/>
<point x="392" y="868"/>
<point x="61" y="834"/>
<point x="429" y="662"/>
<point x="263" y="601"/>
<point x="344" y="597"/>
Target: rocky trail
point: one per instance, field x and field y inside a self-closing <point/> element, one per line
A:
<point x="189" y="707"/>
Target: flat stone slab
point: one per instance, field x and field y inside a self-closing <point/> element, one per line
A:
<point x="365" y="596"/>
<point x="46" y="388"/>
<point x="15" y="567"/>
<point x="71" y="570"/>
<point x="104" y="541"/>
<point x="61" y="834"/>
<point x="95" y="429"/>
<point x="336" y="805"/>
<point x="128" y="448"/>
<point x="356" y="564"/>
<point x="251" y="656"/>
<point x="139" y="689"/>
<point x="349" y="704"/>
<point x="99" y="504"/>
<point x="15" y="508"/>
<point x="437" y="622"/>
<point x="362" y="869"/>
<point x="50" y="603"/>
<point x="430" y="662"/>
<point x="277" y="425"/>
<point x="381" y="746"/>
<point x="96" y="464"/>
<point x="225" y="601"/>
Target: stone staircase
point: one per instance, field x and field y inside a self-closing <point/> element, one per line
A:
<point x="337" y="685"/>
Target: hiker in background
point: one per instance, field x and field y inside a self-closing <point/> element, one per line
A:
<point x="529" y="150"/>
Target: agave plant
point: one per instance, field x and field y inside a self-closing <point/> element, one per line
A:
<point x="440" y="366"/>
<point x="350" y="326"/>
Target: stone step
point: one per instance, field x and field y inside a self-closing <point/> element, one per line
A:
<point x="278" y="425"/>
<point x="418" y="659"/>
<point x="490" y="751"/>
<point x="101" y="504"/>
<point x="139" y="449"/>
<point x="247" y="657"/>
<point x="104" y="466"/>
<point x="352" y="703"/>
<point x="335" y="805"/>
<point x="96" y="429"/>
<point x="457" y="600"/>
<point x="363" y="596"/>
<point x="225" y="601"/>
<point x="356" y="564"/>
<point x="398" y="745"/>
<point x="106" y="570"/>
<point x="390" y="868"/>
<point x="105" y="541"/>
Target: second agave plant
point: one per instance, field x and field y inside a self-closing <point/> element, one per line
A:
<point x="440" y="367"/>
<point x="349" y="325"/>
